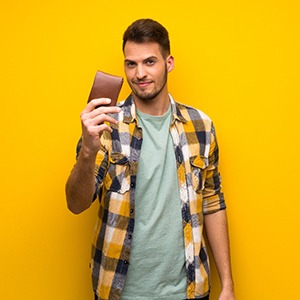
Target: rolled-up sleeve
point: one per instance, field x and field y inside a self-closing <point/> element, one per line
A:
<point x="213" y="197"/>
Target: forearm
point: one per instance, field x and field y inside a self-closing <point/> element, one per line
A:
<point x="217" y="233"/>
<point x="80" y="186"/>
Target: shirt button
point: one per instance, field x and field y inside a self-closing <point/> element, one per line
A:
<point x="131" y="211"/>
<point x="125" y="262"/>
<point x="129" y="236"/>
<point x="132" y="185"/>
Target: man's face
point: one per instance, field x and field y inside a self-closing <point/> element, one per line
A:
<point x="146" y="69"/>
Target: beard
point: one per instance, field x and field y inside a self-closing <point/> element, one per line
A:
<point x="150" y="95"/>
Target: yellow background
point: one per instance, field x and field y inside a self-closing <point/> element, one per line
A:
<point x="238" y="61"/>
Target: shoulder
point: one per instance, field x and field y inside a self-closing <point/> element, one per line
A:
<point x="192" y="112"/>
<point x="191" y="116"/>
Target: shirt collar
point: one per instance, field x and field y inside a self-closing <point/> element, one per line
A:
<point x="130" y="114"/>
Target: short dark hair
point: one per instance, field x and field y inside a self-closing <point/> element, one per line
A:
<point x="148" y="31"/>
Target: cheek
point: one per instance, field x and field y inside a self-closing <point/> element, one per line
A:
<point x="157" y="73"/>
<point x="128" y="74"/>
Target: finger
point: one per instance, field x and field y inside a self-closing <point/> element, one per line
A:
<point x="104" y="118"/>
<point x="98" y="110"/>
<point x="99" y="114"/>
<point x="97" y="130"/>
<point x="96" y="102"/>
<point x="106" y="110"/>
<point x="104" y="127"/>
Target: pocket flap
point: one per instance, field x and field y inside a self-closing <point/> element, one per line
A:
<point x="198" y="161"/>
<point x="118" y="158"/>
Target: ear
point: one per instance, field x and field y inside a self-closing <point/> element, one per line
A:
<point x="170" y="63"/>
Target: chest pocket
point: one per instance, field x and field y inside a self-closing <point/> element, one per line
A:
<point x="198" y="165"/>
<point x="118" y="174"/>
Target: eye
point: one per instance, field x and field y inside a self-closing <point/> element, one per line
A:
<point x="130" y="64"/>
<point x="150" y="61"/>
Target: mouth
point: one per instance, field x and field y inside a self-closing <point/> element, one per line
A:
<point x="142" y="84"/>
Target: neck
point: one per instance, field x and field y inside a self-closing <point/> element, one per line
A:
<point x="157" y="106"/>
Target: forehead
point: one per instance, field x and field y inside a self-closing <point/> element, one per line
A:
<point x="140" y="51"/>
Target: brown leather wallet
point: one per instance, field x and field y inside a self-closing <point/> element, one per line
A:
<point x="106" y="86"/>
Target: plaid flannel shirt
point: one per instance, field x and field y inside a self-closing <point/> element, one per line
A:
<point x="196" y="152"/>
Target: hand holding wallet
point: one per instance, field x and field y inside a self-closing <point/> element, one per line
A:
<point x="106" y="86"/>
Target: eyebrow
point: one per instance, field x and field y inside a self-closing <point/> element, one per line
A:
<point x="144" y="60"/>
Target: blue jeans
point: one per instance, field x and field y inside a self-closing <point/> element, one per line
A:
<point x="205" y="298"/>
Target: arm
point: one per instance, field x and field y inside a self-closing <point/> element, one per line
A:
<point x="217" y="233"/>
<point x="215" y="221"/>
<point x="80" y="186"/>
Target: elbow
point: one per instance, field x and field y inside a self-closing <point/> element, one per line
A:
<point x="75" y="204"/>
<point x="72" y="207"/>
<point x="75" y="208"/>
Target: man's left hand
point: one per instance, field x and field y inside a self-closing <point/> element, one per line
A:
<point x="227" y="294"/>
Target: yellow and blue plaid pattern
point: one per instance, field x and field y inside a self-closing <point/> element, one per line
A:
<point x="196" y="152"/>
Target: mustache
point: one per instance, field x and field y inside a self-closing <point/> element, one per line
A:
<point x="137" y="81"/>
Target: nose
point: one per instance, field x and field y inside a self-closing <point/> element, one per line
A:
<point x="140" y="72"/>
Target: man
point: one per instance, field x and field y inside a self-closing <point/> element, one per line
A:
<point x="153" y="164"/>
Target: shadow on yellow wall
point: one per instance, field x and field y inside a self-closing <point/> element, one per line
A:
<point x="238" y="61"/>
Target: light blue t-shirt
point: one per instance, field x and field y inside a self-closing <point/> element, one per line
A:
<point x="157" y="263"/>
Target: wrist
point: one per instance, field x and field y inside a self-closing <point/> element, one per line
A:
<point x="228" y="285"/>
<point x="227" y="281"/>
<point x="87" y="154"/>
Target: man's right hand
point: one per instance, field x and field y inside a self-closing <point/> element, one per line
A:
<point x="93" y="119"/>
